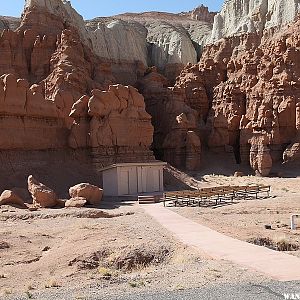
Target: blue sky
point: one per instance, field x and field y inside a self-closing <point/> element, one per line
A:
<point x="94" y="8"/>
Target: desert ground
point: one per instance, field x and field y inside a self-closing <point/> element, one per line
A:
<point x="117" y="249"/>
<point x="246" y="219"/>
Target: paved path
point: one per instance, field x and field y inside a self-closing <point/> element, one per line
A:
<point x="274" y="264"/>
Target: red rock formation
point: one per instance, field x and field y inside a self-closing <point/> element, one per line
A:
<point x="28" y="120"/>
<point x="201" y="13"/>
<point x="116" y="117"/>
<point x="252" y="86"/>
<point x="243" y="95"/>
<point x="173" y="120"/>
<point x="59" y="69"/>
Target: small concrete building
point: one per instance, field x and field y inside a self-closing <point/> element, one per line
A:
<point x="131" y="179"/>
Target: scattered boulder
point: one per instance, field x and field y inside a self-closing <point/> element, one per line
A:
<point x="4" y="245"/>
<point x="91" y="193"/>
<point x="9" y="197"/>
<point x="76" y="202"/>
<point x="238" y="174"/>
<point x="41" y="194"/>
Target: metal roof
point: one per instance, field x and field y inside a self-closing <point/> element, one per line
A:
<point x="149" y="164"/>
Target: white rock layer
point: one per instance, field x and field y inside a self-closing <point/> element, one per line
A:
<point x="118" y="40"/>
<point x="170" y="45"/>
<point x="247" y="16"/>
<point x="121" y="40"/>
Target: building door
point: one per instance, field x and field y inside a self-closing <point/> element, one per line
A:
<point x="153" y="180"/>
<point x="124" y="182"/>
<point x="133" y="181"/>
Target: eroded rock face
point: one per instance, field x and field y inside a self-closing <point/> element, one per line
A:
<point x="91" y="193"/>
<point x="42" y="195"/>
<point x="242" y="17"/>
<point x="60" y="69"/>
<point x="201" y="13"/>
<point x="174" y="121"/>
<point x="171" y="46"/>
<point x="243" y="95"/>
<point x="28" y="121"/>
<point x="292" y="153"/>
<point x="116" y="117"/>
<point x="251" y="87"/>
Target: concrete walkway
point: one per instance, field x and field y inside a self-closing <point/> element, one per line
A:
<point x="274" y="264"/>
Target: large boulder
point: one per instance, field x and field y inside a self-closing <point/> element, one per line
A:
<point x="41" y="194"/>
<point x="11" y="198"/>
<point x="91" y="193"/>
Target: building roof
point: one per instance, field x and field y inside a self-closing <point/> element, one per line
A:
<point x="149" y="164"/>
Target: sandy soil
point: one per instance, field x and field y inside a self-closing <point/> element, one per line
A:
<point x="115" y="249"/>
<point x="246" y="220"/>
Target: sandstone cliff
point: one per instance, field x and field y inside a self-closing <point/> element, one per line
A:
<point x="172" y="40"/>
<point x="69" y="87"/>
<point x="172" y="45"/>
<point x="252" y="88"/>
<point x="106" y="41"/>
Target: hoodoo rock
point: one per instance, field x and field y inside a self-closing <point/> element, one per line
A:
<point x="42" y="195"/>
<point x="115" y="117"/>
<point x="91" y="193"/>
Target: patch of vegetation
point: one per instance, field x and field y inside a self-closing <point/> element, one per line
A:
<point x="105" y="273"/>
<point x="126" y="259"/>
<point x="141" y="257"/>
<point x="52" y="284"/>
<point x="280" y="245"/>
<point x="136" y="284"/>
<point x="29" y="295"/>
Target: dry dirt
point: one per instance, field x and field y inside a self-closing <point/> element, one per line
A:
<point x="246" y="219"/>
<point x="116" y="250"/>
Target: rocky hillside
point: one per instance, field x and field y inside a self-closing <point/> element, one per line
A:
<point x="91" y="93"/>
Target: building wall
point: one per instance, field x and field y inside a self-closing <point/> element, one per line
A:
<point x="110" y="182"/>
<point x="133" y="180"/>
<point x="128" y="180"/>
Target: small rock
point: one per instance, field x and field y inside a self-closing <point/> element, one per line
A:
<point x="11" y="198"/>
<point x="47" y="248"/>
<point x="32" y="208"/>
<point x="76" y="202"/>
<point x="4" y="245"/>
<point x="268" y="227"/>
<point x="238" y="174"/>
